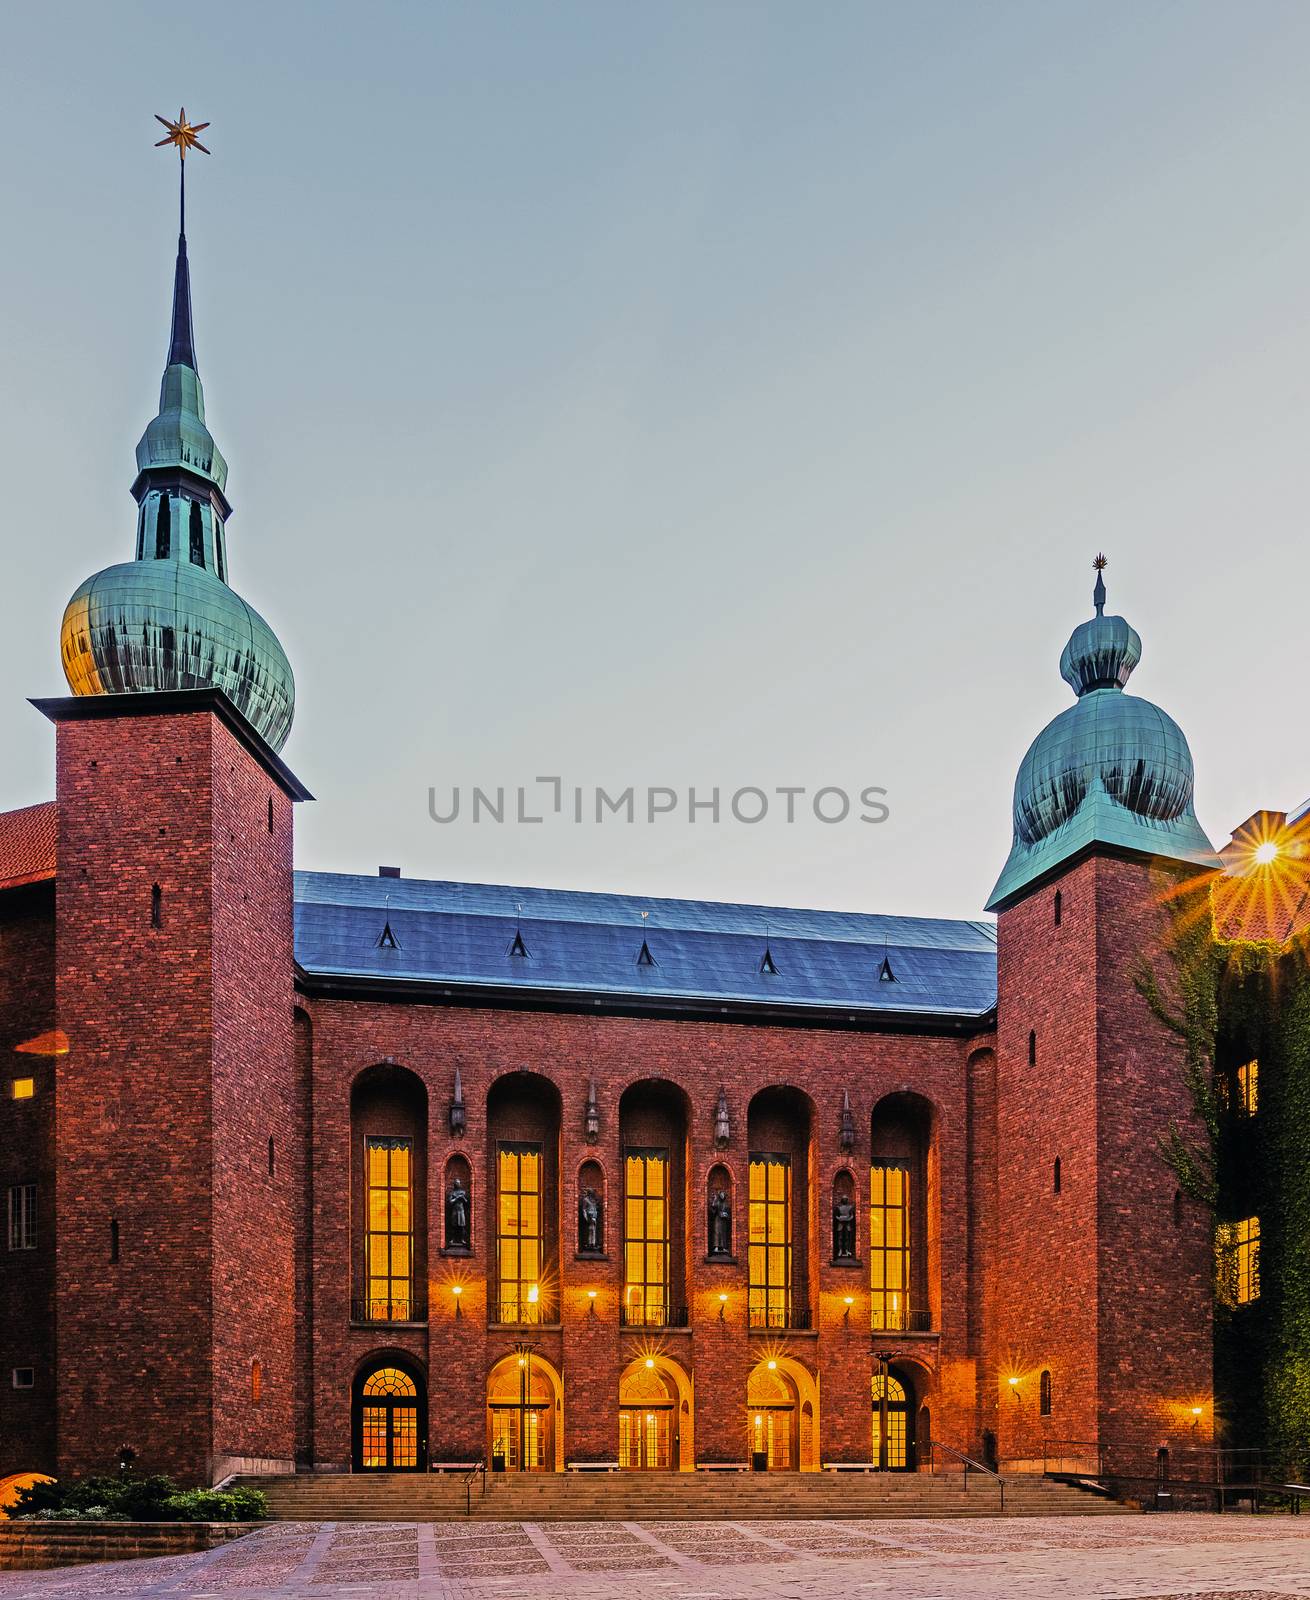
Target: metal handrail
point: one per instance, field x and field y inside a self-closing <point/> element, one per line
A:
<point x="479" y="1466"/>
<point x="967" y="1462"/>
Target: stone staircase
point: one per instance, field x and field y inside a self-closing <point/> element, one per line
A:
<point x="652" y="1497"/>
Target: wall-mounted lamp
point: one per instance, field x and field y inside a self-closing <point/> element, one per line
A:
<point x="1014" y="1388"/>
<point x="849" y="1302"/>
<point x="457" y="1289"/>
<point x="650" y="1361"/>
<point x="723" y="1305"/>
<point x="591" y="1302"/>
<point x="772" y="1365"/>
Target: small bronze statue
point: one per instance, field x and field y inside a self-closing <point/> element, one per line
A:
<point x="720" y="1224"/>
<point x="589" y="1223"/>
<point x="457" y="1217"/>
<point x="843" y="1228"/>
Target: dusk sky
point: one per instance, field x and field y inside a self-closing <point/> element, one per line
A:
<point x="683" y="395"/>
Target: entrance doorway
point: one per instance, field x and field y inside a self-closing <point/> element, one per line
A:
<point x="771" y="1420"/>
<point x="893" y="1422"/>
<point x="389" y="1416"/>
<point x="648" y="1411"/>
<point x="521" y="1415"/>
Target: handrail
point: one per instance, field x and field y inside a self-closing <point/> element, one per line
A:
<point x="478" y="1466"/>
<point x="968" y="1463"/>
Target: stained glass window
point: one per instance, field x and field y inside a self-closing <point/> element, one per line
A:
<point x="646" y="1237"/>
<point x="889" y="1244"/>
<point x="769" y="1246"/>
<point x="390" y="1239"/>
<point x="518" y="1232"/>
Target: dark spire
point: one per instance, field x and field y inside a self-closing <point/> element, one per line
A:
<point x="181" y="345"/>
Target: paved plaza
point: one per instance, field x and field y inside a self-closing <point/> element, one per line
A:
<point x="1115" y="1558"/>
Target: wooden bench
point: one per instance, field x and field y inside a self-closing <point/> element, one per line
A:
<point x="592" y="1466"/>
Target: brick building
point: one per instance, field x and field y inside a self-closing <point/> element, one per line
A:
<point x="325" y="1172"/>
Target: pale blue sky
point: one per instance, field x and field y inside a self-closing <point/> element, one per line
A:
<point x="687" y="394"/>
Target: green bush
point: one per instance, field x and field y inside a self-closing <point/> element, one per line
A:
<point x="128" y="1498"/>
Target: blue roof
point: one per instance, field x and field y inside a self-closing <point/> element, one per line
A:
<point x="460" y="936"/>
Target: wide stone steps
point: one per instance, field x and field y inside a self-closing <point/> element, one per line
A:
<point x="553" y="1497"/>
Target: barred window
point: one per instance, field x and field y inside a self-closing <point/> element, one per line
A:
<point x="22" y="1216"/>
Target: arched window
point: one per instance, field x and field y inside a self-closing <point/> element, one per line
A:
<point x="1055" y="1176"/>
<point x="390" y="1419"/>
<point x="163" y="531"/>
<point x="197" y="536"/>
<point x="1059" y="906"/>
<point x="1032" y="1047"/>
<point x="1044" y="1394"/>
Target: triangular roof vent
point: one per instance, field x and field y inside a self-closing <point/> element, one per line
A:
<point x="768" y="965"/>
<point x="517" y="947"/>
<point x="885" y="973"/>
<point x="388" y="941"/>
<point x="644" y="957"/>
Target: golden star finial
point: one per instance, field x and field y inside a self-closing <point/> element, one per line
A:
<point x="182" y="134"/>
<point x="1099" y="565"/>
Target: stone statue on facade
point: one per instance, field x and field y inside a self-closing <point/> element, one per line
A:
<point x="457" y="1217"/>
<point x="843" y="1228"/>
<point x="589" y="1223"/>
<point x="720" y="1224"/>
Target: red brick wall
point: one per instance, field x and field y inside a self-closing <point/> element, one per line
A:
<point x="180" y="1068"/>
<point x="1094" y="1283"/>
<point x="27" y="1131"/>
<point x="591" y="1351"/>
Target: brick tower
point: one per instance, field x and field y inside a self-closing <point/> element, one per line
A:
<point x="175" y="1174"/>
<point x="1103" y="1272"/>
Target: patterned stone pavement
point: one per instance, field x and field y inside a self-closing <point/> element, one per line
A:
<point x="1173" y="1557"/>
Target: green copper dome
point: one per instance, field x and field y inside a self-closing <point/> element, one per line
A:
<point x="1112" y="769"/>
<point x="169" y="619"/>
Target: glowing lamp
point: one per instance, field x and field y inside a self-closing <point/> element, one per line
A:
<point x="457" y="1289"/>
<point x="650" y="1361"/>
<point x="850" y="1300"/>
<point x="722" y="1298"/>
<point x="534" y="1294"/>
<point x="1265" y="853"/>
<point x="1013" y="1382"/>
<point x="773" y="1366"/>
<point x="522" y="1362"/>
<point x="591" y="1294"/>
<point x="1196" y="1411"/>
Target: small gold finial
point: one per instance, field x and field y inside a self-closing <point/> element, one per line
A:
<point x="182" y="134"/>
<point x="1099" y="565"/>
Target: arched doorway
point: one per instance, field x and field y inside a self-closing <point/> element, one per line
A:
<point x="773" y="1419"/>
<point x="648" y="1419"/>
<point x="389" y="1417"/>
<point x="522" y="1396"/>
<point x="893" y="1418"/>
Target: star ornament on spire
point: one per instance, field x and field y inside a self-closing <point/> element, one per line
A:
<point x="1099" y="565"/>
<point x="182" y="134"/>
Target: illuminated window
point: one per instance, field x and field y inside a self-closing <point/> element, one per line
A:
<point x="646" y="1237"/>
<point x="769" y="1247"/>
<point x="22" y="1216"/>
<point x="889" y="1244"/>
<point x="1248" y="1087"/>
<point x="390" y="1241"/>
<point x="1237" y="1251"/>
<point x="891" y="1423"/>
<point x="518" y="1232"/>
<point x="389" y="1420"/>
<point x="256" y="1381"/>
<point x="24" y="1088"/>
<point x="1044" y="1394"/>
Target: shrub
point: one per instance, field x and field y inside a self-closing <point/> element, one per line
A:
<point x="128" y="1498"/>
<point x="215" y="1505"/>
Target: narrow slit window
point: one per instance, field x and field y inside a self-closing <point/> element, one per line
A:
<point x="163" y="530"/>
<point x="218" y="549"/>
<point x="1055" y="1176"/>
<point x="256" y="1381"/>
<point x="156" y="906"/>
<point x="270" y="813"/>
<point x="1032" y="1047"/>
<point x="272" y="1158"/>
<point x="1059" y="906"/>
<point x="1044" y="1394"/>
<point x="197" y="536"/>
<point x="22" y="1216"/>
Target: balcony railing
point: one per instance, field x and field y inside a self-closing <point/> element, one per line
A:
<point x="656" y="1316"/>
<point x="797" y="1315"/>
<point x="900" y="1319"/>
<point x="509" y="1312"/>
<point x="390" y="1308"/>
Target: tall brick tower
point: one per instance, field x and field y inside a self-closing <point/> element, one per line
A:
<point x="175" y="1167"/>
<point x="1103" y="1272"/>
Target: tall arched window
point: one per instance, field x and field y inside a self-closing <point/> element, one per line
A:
<point x="1044" y="1394"/>
<point x="197" y="536"/>
<point x="163" y="530"/>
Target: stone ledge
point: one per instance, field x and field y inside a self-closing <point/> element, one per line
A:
<point x="31" y="1544"/>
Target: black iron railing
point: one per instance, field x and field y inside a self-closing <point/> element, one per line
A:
<point x="654" y="1316"/>
<point x="796" y="1315"/>
<point x="901" y="1319"/>
<point x="968" y="1463"/>
<point x="509" y="1313"/>
<point x="390" y="1308"/>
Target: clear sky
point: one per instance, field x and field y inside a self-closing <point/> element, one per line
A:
<point x="683" y="394"/>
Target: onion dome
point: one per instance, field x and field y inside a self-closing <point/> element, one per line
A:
<point x="169" y="619"/>
<point x="1113" y="769"/>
